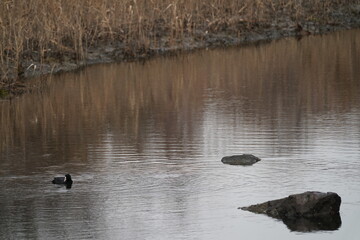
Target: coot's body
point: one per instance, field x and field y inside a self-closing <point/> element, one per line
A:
<point x="63" y="180"/>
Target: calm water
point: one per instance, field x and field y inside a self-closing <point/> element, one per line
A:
<point x="143" y="142"/>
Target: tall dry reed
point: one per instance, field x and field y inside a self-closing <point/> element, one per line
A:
<point x="40" y="31"/>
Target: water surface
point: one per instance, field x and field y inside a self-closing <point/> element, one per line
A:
<point x="143" y="142"/>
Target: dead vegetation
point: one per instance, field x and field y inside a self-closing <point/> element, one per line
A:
<point x="36" y="31"/>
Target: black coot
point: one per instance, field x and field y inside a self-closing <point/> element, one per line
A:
<point x="63" y="180"/>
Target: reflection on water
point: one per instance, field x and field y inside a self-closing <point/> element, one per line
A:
<point x="329" y="223"/>
<point x="143" y="143"/>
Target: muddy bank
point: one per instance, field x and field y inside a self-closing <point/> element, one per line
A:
<point x="233" y="32"/>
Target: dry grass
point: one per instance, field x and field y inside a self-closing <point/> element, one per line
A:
<point x="39" y="31"/>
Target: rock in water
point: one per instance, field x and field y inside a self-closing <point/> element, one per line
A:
<point x="244" y="159"/>
<point x="306" y="211"/>
<point x="307" y="204"/>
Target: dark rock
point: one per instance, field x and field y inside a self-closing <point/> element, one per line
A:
<point x="244" y="159"/>
<point x="308" y="204"/>
<point x="309" y="211"/>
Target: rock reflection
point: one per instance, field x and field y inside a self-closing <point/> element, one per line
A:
<point x="326" y="223"/>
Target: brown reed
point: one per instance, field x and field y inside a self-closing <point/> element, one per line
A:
<point x="40" y="31"/>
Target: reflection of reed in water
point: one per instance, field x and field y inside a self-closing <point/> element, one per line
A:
<point x="282" y="81"/>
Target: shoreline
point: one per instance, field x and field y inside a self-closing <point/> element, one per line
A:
<point x="250" y="33"/>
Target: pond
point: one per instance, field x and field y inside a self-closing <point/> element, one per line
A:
<point x="144" y="141"/>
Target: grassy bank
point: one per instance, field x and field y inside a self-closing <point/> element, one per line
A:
<point x="44" y="36"/>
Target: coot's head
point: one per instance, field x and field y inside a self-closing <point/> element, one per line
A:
<point x="68" y="179"/>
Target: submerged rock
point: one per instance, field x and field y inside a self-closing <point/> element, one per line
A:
<point x="308" y="211"/>
<point x="244" y="159"/>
